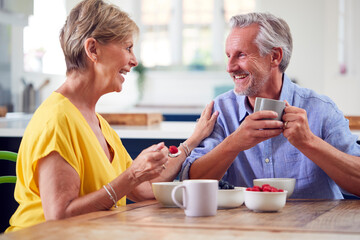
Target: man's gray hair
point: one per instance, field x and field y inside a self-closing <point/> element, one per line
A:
<point x="274" y="32"/>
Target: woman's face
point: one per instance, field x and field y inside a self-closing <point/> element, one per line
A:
<point x="114" y="61"/>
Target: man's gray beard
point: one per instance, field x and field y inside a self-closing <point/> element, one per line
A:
<point x="252" y="90"/>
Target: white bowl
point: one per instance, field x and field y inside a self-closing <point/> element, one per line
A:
<point x="287" y="184"/>
<point x="265" y="201"/>
<point x="162" y="192"/>
<point x="231" y="198"/>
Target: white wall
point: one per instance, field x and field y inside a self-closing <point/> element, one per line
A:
<point x="344" y="90"/>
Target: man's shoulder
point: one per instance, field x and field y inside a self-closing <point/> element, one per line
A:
<point x="226" y="96"/>
<point x="309" y="96"/>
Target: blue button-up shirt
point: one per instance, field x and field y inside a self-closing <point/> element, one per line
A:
<point x="276" y="157"/>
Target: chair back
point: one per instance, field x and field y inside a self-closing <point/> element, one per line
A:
<point x="9" y="156"/>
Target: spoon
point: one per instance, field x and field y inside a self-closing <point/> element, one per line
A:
<point x="174" y="152"/>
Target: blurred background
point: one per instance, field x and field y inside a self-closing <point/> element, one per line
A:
<point x="181" y="51"/>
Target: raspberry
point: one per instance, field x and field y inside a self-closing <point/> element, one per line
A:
<point x="264" y="188"/>
<point x="173" y="149"/>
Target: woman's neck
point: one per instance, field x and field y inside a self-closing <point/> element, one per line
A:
<point x="81" y="91"/>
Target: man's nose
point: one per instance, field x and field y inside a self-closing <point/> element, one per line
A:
<point x="231" y="65"/>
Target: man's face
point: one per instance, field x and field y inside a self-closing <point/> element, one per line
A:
<point x="249" y="70"/>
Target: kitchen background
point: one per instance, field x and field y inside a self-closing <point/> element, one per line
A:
<point x="181" y="49"/>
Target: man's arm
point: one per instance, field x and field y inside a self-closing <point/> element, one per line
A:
<point x="252" y="131"/>
<point x="343" y="168"/>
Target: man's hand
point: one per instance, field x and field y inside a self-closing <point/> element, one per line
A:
<point x="255" y="129"/>
<point x="296" y="126"/>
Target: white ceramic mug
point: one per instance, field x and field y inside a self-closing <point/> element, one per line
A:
<point x="270" y="104"/>
<point x="199" y="197"/>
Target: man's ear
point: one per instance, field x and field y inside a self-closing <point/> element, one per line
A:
<point x="90" y="46"/>
<point x="276" y="56"/>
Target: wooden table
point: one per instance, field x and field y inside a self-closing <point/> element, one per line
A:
<point x="299" y="219"/>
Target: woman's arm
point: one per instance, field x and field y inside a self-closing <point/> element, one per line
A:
<point x="59" y="184"/>
<point x="203" y="129"/>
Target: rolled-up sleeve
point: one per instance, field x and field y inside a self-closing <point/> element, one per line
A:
<point x="231" y="110"/>
<point x="205" y="146"/>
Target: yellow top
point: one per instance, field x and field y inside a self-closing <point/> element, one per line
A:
<point x="57" y="125"/>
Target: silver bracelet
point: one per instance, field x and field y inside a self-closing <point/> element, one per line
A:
<point x="186" y="149"/>
<point x="111" y="196"/>
<point x="112" y="189"/>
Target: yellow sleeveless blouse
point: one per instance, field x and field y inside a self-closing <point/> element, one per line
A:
<point x="57" y="125"/>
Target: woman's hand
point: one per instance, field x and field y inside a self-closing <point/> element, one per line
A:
<point x="150" y="163"/>
<point x="204" y="125"/>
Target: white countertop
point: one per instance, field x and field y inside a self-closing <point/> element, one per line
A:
<point x="14" y="124"/>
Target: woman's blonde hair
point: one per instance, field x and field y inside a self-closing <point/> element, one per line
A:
<point x="93" y="19"/>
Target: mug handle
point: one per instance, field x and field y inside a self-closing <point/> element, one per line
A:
<point x="173" y="196"/>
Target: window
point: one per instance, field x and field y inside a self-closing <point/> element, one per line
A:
<point x="186" y="33"/>
<point x="155" y="51"/>
<point x="197" y="19"/>
<point x="178" y="34"/>
<point x="42" y="50"/>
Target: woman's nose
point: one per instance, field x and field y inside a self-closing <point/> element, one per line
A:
<point x="133" y="62"/>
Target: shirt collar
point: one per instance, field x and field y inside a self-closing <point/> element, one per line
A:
<point x="286" y="90"/>
<point x="244" y="107"/>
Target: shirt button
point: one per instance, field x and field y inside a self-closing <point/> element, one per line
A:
<point x="267" y="160"/>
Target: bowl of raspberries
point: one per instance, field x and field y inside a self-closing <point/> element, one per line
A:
<point x="265" y="198"/>
<point x="229" y="196"/>
<point x="287" y="184"/>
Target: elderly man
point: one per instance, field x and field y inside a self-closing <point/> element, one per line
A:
<point x="312" y="143"/>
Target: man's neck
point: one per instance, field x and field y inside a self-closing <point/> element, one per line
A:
<point x="272" y="89"/>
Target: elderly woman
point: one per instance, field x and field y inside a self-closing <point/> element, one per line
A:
<point x="70" y="160"/>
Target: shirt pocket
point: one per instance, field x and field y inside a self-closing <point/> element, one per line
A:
<point x="293" y="155"/>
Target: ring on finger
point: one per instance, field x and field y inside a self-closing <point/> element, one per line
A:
<point x="285" y="124"/>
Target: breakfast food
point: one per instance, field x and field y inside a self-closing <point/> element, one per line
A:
<point x="174" y="151"/>
<point x="225" y="185"/>
<point x="264" y="188"/>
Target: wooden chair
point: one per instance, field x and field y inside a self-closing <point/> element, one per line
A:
<point x="10" y="156"/>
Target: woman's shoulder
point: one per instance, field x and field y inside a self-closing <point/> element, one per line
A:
<point x="55" y="110"/>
